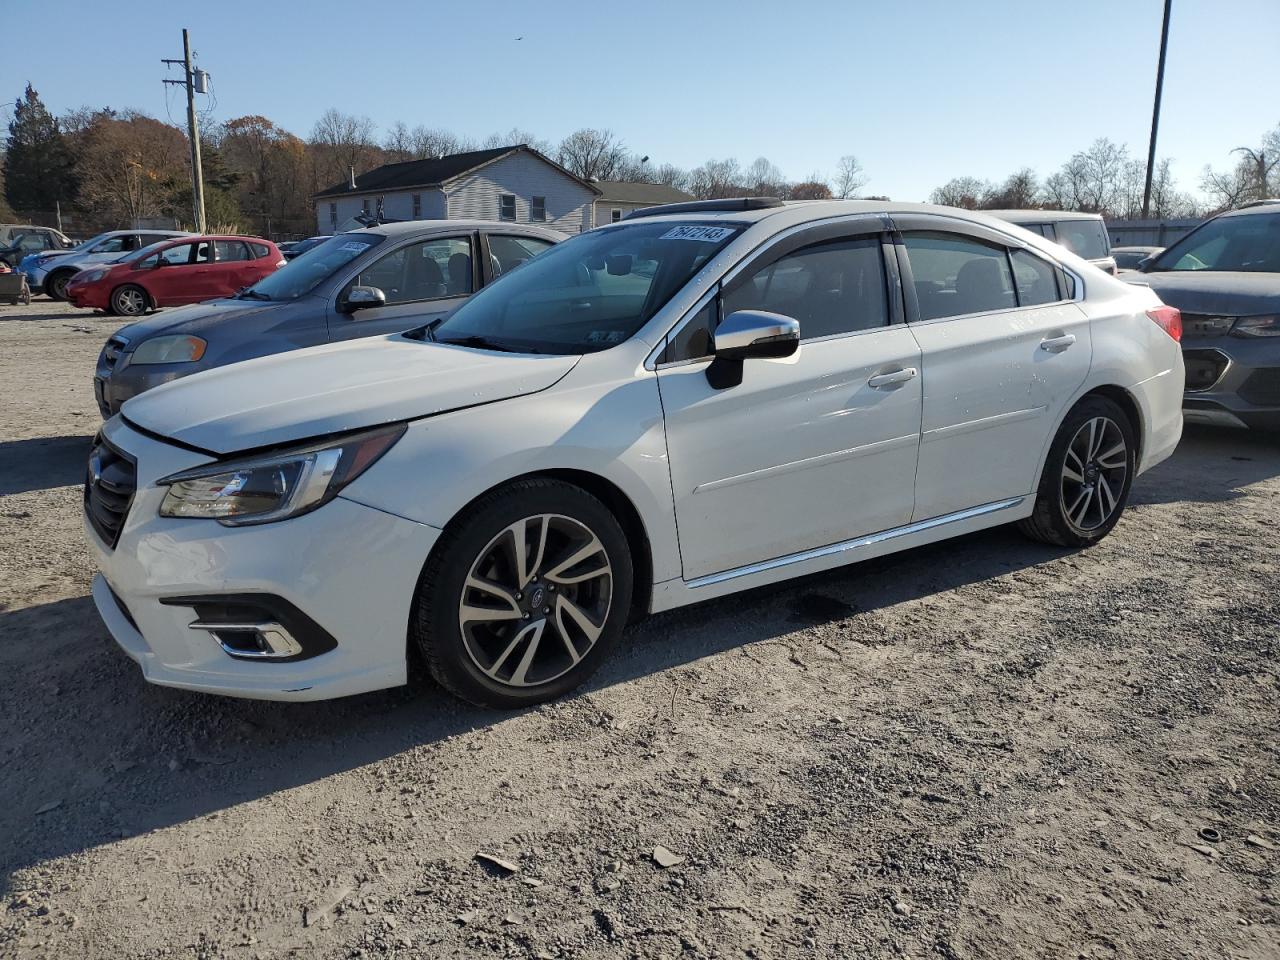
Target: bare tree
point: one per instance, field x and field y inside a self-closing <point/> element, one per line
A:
<point x="432" y="142"/>
<point x="764" y="179"/>
<point x="1228" y="189"/>
<point x="966" y="192"/>
<point x="850" y="177"/>
<point x="592" y="154"/>
<point x="716" y="179"/>
<point x="814" y="188"/>
<point x="1019" y="191"/>
<point x="131" y="166"/>
<point x="514" y="137"/>
<point x="340" y="141"/>
<point x="397" y="145"/>
<point x="1093" y="179"/>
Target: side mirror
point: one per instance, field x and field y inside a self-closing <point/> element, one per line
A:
<point x="750" y="335"/>
<point x="618" y="264"/>
<point x="362" y="298"/>
<point x="1144" y="263"/>
<point x="160" y="262"/>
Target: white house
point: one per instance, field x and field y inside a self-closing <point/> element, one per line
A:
<point x="619" y="197"/>
<point x="515" y="183"/>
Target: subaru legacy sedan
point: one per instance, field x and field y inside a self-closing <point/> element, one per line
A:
<point x="360" y="284"/>
<point x="701" y="399"/>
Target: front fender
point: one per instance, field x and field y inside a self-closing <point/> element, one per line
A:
<point x="612" y="429"/>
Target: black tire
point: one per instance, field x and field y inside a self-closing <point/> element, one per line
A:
<point x="437" y="627"/>
<point x="55" y="284"/>
<point x="1078" y="524"/>
<point x="130" y="300"/>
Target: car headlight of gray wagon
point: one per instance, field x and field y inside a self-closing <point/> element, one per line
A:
<point x="275" y="485"/>
<point x="171" y="349"/>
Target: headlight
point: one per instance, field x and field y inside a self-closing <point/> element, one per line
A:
<point x="274" y="486"/>
<point x="92" y="276"/>
<point x="1263" y="326"/>
<point x="178" y="349"/>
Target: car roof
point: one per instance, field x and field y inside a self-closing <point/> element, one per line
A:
<point x="405" y="228"/>
<point x="1254" y="209"/>
<point x="1041" y="216"/>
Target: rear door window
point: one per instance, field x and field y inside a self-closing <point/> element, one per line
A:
<point x="956" y="275"/>
<point x="230" y="251"/>
<point x="1036" y="279"/>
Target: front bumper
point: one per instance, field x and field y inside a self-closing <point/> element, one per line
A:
<point x="93" y="296"/>
<point x="1233" y="381"/>
<point x="350" y="569"/>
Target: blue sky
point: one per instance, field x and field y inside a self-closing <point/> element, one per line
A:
<point x="919" y="90"/>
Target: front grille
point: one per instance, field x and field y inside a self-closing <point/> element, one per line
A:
<point x="1197" y="326"/>
<point x="1204" y="368"/>
<point x="1262" y="387"/>
<point x="109" y="484"/>
<point x="111" y="352"/>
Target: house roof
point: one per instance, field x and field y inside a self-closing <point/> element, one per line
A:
<point x="626" y="191"/>
<point x="434" y="172"/>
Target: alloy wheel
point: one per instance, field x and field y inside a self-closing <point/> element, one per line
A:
<point x="1093" y="473"/>
<point x="58" y="286"/>
<point x="535" y="600"/>
<point x="131" y="301"/>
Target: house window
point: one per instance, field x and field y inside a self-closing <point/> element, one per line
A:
<point x="364" y="205"/>
<point x="538" y="209"/>
<point x="507" y="207"/>
<point x="615" y="215"/>
<point x="417" y="206"/>
<point x="333" y="216"/>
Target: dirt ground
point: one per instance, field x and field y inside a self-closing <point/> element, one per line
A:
<point x="986" y="748"/>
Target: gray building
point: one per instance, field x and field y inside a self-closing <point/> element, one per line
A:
<point x="619" y="197"/>
<point x="517" y="184"/>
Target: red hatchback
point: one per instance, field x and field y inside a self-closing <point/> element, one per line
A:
<point x="175" y="272"/>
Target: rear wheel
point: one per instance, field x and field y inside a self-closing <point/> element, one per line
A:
<point x="1086" y="480"/>
<point x="525" y="595"/>
<point x="55" y="285"/>
<point x="129" y="301"/>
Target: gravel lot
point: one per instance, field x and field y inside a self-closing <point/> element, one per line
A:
<point x="985" y="748"/>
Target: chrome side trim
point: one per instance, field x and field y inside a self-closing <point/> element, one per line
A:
<point x="278" y="641"/>
<point x="856" y="544"/>
<point x="972" y="426"/>
<point x="877" y="446"/>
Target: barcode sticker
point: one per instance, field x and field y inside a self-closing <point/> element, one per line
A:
<point x="705" y="234"/>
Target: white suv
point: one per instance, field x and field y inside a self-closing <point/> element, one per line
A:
<point x="702" y="399"/>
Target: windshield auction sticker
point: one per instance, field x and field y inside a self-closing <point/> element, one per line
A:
<point x="705" y="234"/>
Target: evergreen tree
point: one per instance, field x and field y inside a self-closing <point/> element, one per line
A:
<point x="38" y="165"/>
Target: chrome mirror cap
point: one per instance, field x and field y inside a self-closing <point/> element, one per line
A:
<point x="756" y="333"/>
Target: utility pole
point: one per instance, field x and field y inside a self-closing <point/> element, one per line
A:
<point x="1155" y="112"/>
<point x="193" y="132"/>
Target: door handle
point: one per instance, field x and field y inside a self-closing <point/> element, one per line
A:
<point x="1057" y="344"/>
<point x="893" y="378"/>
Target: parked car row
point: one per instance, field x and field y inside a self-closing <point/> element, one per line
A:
<point x="50" y="271"/>
<point x="701" y="399"/>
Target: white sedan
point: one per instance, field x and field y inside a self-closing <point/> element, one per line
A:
<point x="702" y="399"/>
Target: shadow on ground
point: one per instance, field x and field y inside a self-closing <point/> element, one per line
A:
<point x="42" y="463"/>
<point x="107" y="756"/>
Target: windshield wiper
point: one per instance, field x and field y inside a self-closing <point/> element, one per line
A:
<point x="481" y="343"/>
<point x="250" y="294"/>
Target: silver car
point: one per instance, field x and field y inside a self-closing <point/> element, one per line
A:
<point x="1084" y="234"/>
<point x="50" y="271"/>
<point x="380" y="280"/>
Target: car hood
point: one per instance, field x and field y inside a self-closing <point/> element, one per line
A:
<point x="333" y="388"/>
<point x="196" y="317"/>
<point x="1218" y="292"/>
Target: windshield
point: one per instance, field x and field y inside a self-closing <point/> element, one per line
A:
<point x="305" y="272"/>
<point x="587" y="294"/>
<point x="86" y="244"/>
<point x="1249" y="243"/>
<point x="1084" y="238"/>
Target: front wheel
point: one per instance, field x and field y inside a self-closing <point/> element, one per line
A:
<point x="1087" y="476"/>
<point x="129" y="301"/>
<point x="55" y="285"/>
<point x="525" y="595"/>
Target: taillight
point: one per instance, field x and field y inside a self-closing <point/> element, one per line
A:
<point x="1169" y="319"/>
